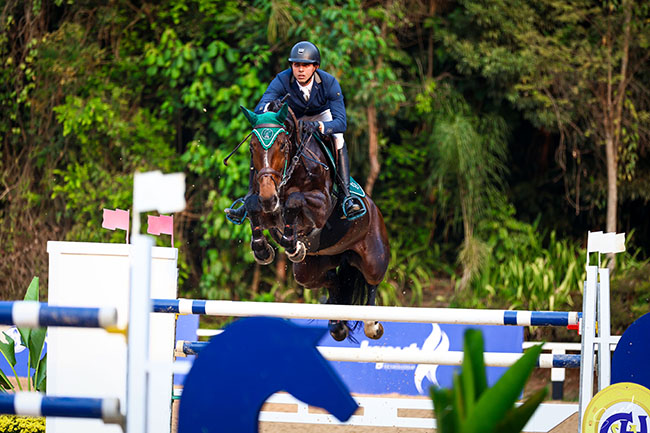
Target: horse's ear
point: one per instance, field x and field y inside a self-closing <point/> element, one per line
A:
<point x="252" y="117"/>
<point x="281" y="116"/>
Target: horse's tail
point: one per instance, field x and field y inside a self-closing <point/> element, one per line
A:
<point x="353" y="288"/>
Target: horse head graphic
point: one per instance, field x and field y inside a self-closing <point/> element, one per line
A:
<point x="252" y="359"/>
<point x="437" y="341"/>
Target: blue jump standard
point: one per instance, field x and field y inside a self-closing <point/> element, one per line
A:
<point x="22" y="313"/>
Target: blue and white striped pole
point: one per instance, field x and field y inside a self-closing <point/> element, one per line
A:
<point x="35" y="404"/>
<point x="32" y="314"/>
<point x="380" y="354"/>
<point x="354" y="312"/>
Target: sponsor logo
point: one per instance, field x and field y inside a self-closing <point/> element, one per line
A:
<point x="619" y="408"/>
<point x="436" y="341"/>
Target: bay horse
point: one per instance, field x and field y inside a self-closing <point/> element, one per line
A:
<point x="292" y="196"/>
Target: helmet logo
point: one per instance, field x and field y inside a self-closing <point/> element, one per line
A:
<point x="301" y="50"/>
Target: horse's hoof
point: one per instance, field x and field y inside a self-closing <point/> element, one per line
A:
<point x="338" y="330"/>
<point x="298" y="255"/>
<point x="265" y="261"/>
<point x="373" y="330"/>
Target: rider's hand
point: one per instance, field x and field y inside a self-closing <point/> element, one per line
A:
<point x="311" y="127"/>
<point x="275" y="105"/>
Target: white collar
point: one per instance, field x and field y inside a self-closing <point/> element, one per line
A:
<point x="307" y="88"/>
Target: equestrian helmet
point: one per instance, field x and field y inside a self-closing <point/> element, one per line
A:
<point x="305" y="52"/>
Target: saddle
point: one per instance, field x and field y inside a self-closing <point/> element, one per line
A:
<point x="337" y="225"/>
<point x="326" y="143"/>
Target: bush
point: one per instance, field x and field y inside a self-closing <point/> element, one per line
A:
<point x="20" y="424"/>
<point x="526" y="268"/>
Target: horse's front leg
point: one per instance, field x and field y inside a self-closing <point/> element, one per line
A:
<point x="293" y="206"/>
<point x="262" y="250"/>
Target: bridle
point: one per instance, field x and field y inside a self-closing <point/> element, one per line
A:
<point x="281" y="179"/>
<point x="267" y="171"/>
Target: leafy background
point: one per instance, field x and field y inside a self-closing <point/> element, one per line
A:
<point x="480" y="127"/>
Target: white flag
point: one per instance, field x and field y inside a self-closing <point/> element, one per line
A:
<point x="605" y="242"/>
<point x="164" y="193"/>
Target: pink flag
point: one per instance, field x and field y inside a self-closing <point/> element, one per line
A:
<point x="163" y="224"/>
<point x="116" y="219"/>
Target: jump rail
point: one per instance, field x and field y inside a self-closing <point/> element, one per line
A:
<point x="414" y="356"/>
<point x="35" y="404"/>
<point x="351" y="312"/>
<point x="32" y="314"/>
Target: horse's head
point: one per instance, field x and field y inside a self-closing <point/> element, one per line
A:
<point x="270" y="148"/>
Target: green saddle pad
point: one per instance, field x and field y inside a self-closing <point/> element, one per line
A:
<point x="355" y="188"/>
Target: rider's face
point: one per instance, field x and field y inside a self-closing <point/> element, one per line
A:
<point x="303" y="72"/>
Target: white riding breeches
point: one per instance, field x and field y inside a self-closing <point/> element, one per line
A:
<point x="326" y="116"/>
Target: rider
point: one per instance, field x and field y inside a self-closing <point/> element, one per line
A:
<point x="317" y="100"/>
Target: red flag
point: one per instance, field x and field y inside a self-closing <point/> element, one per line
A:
<point x="116" y="219"/>
<point x="163" y="224"/>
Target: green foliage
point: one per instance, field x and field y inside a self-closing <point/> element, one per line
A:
<point x="525" y="267"/>
<point x="32" y="339"/>
<point x="19" y="424"/>
<point x="92" y="93"/>
<point x="470" y="406"/>
<point x="630" y="287"/>
<point x="582" y="81"/>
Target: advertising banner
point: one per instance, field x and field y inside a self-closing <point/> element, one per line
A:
<point x="411" y="379"/>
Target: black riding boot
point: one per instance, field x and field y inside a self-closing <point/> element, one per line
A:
<point x="237" y="215"/>
<point x="352" y="206"/>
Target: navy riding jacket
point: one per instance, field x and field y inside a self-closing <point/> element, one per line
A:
<point x="325" y="93"/>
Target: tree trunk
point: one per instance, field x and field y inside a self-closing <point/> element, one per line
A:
<point x="613" y="128"/>
<point x="373" y="148"/>
<point x="612" y="191"/>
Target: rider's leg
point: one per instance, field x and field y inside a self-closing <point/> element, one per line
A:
<point x="237" y="215"/>
<point x="352" y="206"/>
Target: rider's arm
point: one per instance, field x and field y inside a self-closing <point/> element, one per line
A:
<point x="273" y="92"/>
<point x="337" y="108"/>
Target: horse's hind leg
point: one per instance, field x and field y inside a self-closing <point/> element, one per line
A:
<point x="372" y="328"/>
<point x="317" y="272"/>
<point x="339" y="329"/>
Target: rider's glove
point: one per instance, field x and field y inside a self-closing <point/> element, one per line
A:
<point x="311" y="127"/>
<point x="274" y="105"/>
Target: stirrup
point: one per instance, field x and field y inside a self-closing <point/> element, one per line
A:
<point x="235" y="219"/>
<point x="358" y="214"/>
